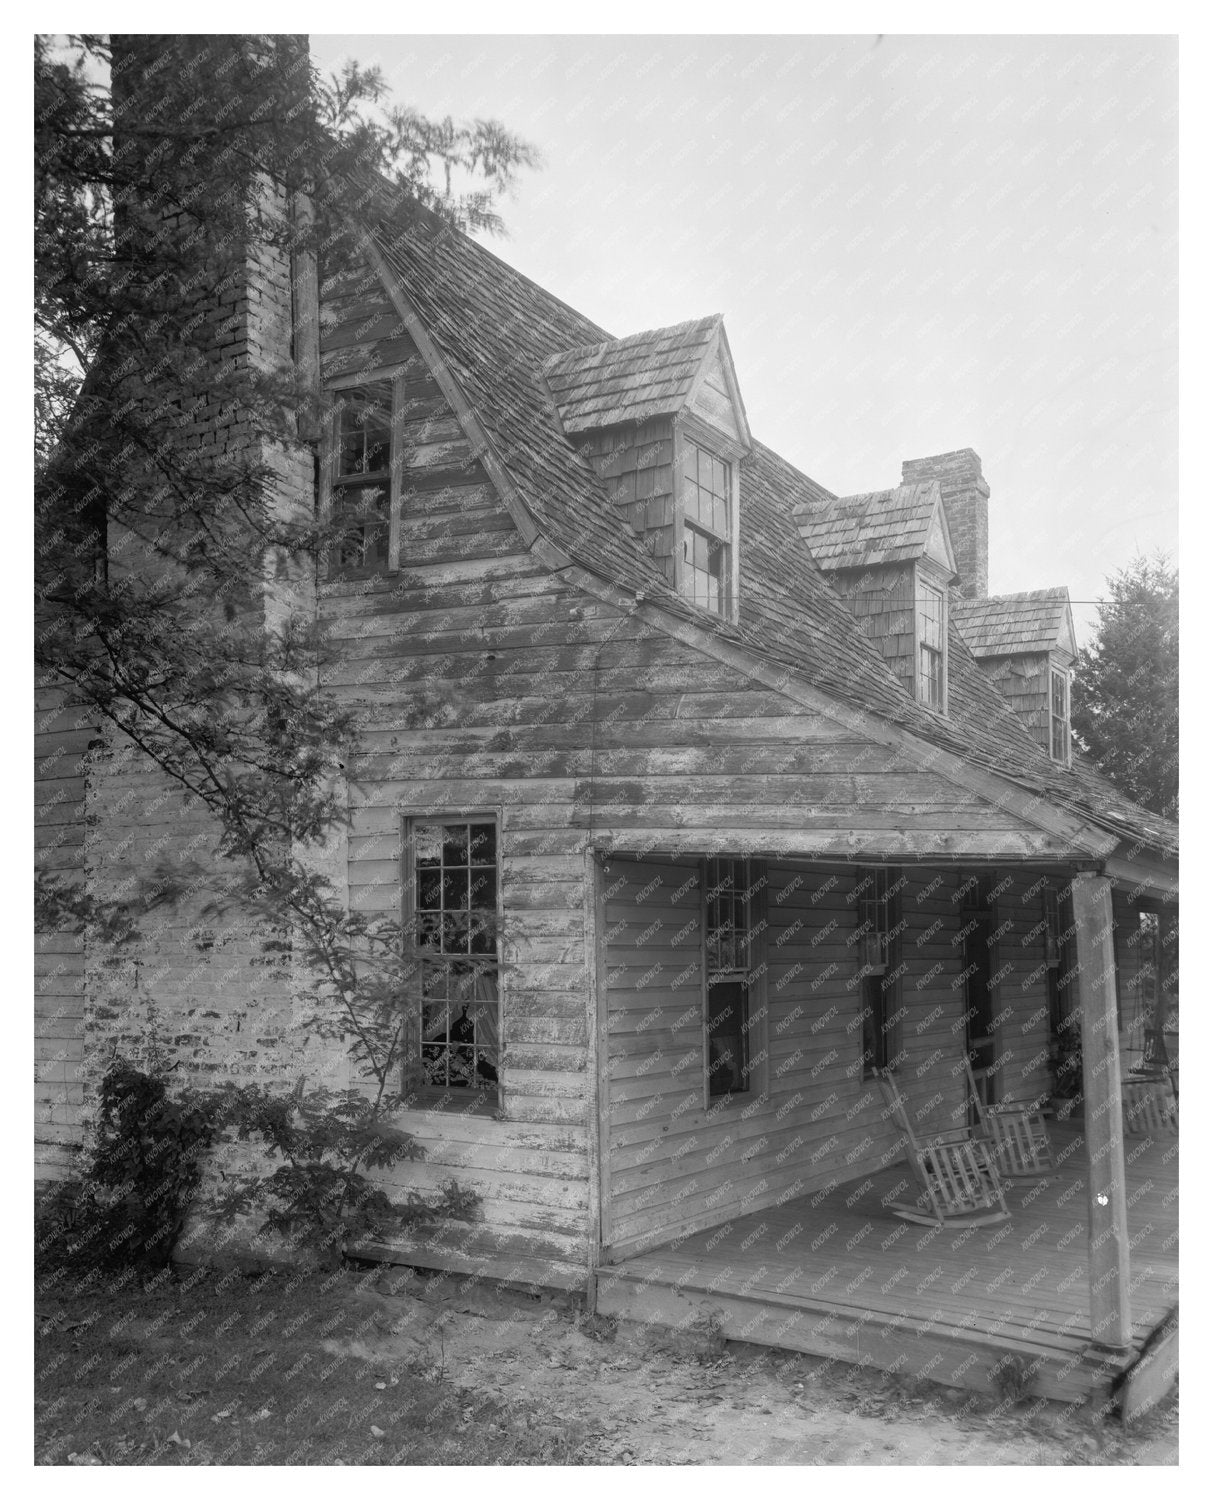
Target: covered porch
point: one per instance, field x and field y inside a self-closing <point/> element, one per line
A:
<point x="1002" y="1309"/>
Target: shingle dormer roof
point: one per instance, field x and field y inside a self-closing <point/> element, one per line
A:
<point x="631" y="379"/>
<point x="881" y="527"/>
<point x="1016" y="624"/>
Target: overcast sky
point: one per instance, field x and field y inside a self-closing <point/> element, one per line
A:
<point x="917" y="243"/>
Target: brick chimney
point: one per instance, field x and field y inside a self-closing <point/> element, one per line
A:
<point x="966" y="498"/>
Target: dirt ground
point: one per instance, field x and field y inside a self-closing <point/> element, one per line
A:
<point x="396" y="1367"/>
<point x="660" y="1398"/>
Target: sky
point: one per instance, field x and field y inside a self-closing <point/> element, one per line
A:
<point x="917" y="243"/>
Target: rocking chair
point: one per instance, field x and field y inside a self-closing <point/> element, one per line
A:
<point x="1016" y="1131"/>
<point x="957" y="1174"/>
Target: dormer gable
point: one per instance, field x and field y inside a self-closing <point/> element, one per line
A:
<point x="1026" y="646"/>
<point x="889" y="554"/>
<point x="659" y="417"/>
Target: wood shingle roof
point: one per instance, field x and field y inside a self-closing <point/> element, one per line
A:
<point x="630" y="379"/>
<point x="501" y="334"/>
<point x="862" y="531"/>
<point x="1011" y="624"/>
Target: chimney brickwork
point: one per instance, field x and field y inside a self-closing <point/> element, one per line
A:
<point x="966" y="501"/>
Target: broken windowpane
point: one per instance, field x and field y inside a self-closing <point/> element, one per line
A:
<point x="455" y="883"/>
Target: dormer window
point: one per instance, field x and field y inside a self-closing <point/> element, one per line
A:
<point x="660" y="419"/>
<point x="707" y="529"/>
<point x="1059" y="716"/>
<point x="931" y="646"/>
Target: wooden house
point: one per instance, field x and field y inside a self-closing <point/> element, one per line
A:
<point x="700" y="800"/>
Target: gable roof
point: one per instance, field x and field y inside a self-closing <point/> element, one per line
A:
<point x="1012" y="624"/>
<point x="881" y="527"/>
<point x="630" y="379"/>
<point x="496" y="330"/>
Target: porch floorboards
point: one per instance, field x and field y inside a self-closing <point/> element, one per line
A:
<point x="838" y="1274"/>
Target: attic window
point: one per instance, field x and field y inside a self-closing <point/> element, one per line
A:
<point x="930" y="609"/>
<point x="359" y="473"/>
<point x="1059" y="715"/>
<point x="707" y="516"/>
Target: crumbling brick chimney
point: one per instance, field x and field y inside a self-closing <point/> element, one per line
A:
<point x="966" y="501"/>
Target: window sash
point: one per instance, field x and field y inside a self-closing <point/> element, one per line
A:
<point x="1059" y="717"/>
<point x="706" y="523"/>
<point x="879" y="985"/>
<point x="730" y="907"/>
<point x="451" y="933"/>
<point x="930" y="608"/>
<point x="361" y="474"/>
<point x="930" y="677"/>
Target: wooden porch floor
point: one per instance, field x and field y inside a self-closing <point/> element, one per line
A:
<point x="839" y="1275"/>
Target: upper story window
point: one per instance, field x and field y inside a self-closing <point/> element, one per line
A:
<point x="708" y="523"/>
<point x="360" y="477"/>
<point x="454" y="1027"/>
<point x="931" y="650"/>
<point x="732" y="925"/>
<point x="1059" y="715"/>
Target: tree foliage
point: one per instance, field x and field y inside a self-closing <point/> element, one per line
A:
<point x="1125" y="708"/>
<point x="164" y="165"/>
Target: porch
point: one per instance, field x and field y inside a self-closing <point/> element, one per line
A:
<point x="835" y="1273"/>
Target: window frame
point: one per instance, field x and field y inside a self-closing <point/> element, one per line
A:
<point x="692" y="432"/>
<point x="1062" y="673"/>
<point x="331" y="482"/>
<point x="431" y="1096"/>
<point x="753" y="1027"/>
<point x="935" y="584"/>
<point x="877" y="953"/>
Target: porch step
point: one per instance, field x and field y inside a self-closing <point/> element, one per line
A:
<point x="897" y="1343"/>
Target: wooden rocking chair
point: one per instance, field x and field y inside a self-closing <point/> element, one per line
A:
<point x="957" y="1174"/>
<point x="1016" y="1131"/>
<point x="1149" y="1105"/>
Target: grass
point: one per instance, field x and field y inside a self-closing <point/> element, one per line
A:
<point x="224" y="1368"/>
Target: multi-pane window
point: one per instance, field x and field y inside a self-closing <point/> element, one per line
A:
<point x="1059" y="715"/>
<point x="878" y="979"/>
<point x="707" y="529"/>
<point x="930" y="646"/>
<point x="1052" y="910"/>
<point x="454" y="941"/>
<point x="731" y="889"/>
<point x="361" y="476"/>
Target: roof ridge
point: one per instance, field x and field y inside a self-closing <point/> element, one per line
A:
<point x="1057" y="595"/>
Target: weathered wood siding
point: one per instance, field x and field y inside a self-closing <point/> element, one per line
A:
<point x="636" y="467"/>
<point x="813" y="1121"/>
<point x="62" y="735"/>
<point x="1024" y="682"/>
<point x="882" y="601"/>
<point x="481" y="680"/>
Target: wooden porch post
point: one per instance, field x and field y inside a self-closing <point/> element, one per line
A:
<point x="598" y="1117"/>
<point x="1107" y="1211"/>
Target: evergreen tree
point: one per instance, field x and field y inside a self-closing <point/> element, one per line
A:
<point x="1125" y="708"/>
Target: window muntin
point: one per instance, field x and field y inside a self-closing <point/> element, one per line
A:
<point x="454" y="939"/>
<point x="1059" y="715"/>
<point x="879" y="1006"/>
<point x="706" y="528"/>
<point x="361" y="476"/>
<point x="930" y="646"/>
<point x="730" y="932"/>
